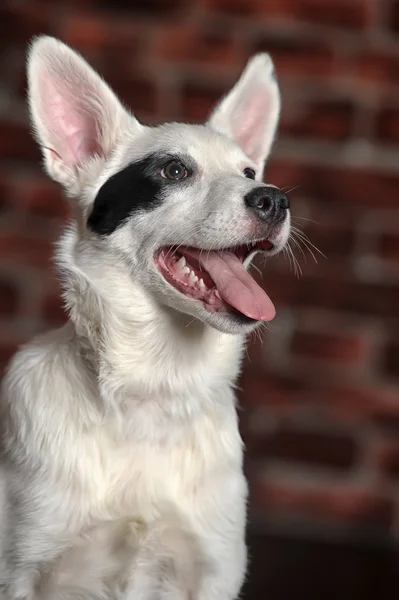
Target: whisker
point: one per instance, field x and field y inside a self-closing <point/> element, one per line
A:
<point x="294" y="264"/>
<point x="291" y="189"/>
<point x="287" y="254"/>
<point x="297" y="267"/>
<point x="305" y="219"/>
<point x="308" y="248"/>
<point x="257" y="269"/>
<point x="297" y="244"/>
<point x="191" y="322"/>
<point x="306" y="241"/>
<point x="266" y="326"/>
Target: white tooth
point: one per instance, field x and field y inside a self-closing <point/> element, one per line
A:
<point x="218" y="295"/>
<point x="192" y="278"/>
<point x="186" y="270"/>
<point x="201" y="283"/>
<point x="181" y="263"/>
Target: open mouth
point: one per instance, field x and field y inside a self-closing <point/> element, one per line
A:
<point x="217" y="278"/>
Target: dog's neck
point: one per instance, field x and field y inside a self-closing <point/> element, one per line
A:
<point x="137" y="348"/>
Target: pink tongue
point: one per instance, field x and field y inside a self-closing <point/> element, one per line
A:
<point x="235" y="284"/>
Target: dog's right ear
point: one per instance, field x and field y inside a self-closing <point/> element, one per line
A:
<point x="76" y="116"/>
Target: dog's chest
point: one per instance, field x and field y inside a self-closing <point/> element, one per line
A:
<point x="141" y="476"/>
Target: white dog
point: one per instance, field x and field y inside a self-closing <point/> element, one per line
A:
<point x="121" y="469"/>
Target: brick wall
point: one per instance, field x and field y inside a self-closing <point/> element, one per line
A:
<point x="320" y="395"/>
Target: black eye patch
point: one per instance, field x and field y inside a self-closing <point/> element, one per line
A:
<point x="134" y="188"/>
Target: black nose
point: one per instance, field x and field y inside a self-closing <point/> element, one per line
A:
<point x="268" y="201"/>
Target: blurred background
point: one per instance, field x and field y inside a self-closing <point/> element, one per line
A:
<point x="320" y="394"/>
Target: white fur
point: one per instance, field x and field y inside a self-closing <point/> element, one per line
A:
<point x="121" y="471"/>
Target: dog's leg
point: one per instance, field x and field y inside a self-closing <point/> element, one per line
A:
<point x="26" y="564"/>
<point x="94" y="566"/>
<point x="203" y="560"/>
<point x="228" y="558"/>
<point x="222" y="534"/>
<point x="38" y="532"/>
<point x="169" y="565"/>
<point x="188" y="577"/>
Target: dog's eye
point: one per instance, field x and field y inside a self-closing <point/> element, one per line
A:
<point x="175" y="171"/>
<point x="249" y="173"/>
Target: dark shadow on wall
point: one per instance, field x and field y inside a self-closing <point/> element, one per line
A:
<point x="293" y="568"/>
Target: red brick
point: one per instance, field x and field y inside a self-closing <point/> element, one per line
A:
<point x="53" y="310"/>
<point x="388" y="247"/>
<point x="342" y="503"/>
<point x="391" y="359"/>
<point x="281" y="395"/>
<point x="9" y="300"/>
<point x="123" y="48"/>
<point x="87" y="32"/>
<point x="254" y="349"/>
<point x="8" y="25"/>
<point x="328" y="12"/>
<point x="361" y="187"/>
<point x="331" y="120"/>
<point x="198" y="101"/>
<point x="209" y="45"/>
<point x="395" y="16"/>
<point x="327" y="231"/>
<point x="313" y="447"/>
<point x="7" y="350"/>
<point x="370" y="403"/>
<point x="293" y="56"/>
<point x="387" y="420"/>
<point x="138" y="93"/>
<point x="16" y="143"/>
<point x="154" y="8"/>
<point x="234" y="8"/>
<point x="346" y="349"/>
<point x="23" y="20"/>
<point x="290" y="395"/>
<point x="386" y="458"/>
<point x="285" y="173"/>
<point x="332" y="289"/>
<point x="282" y="286"/>
<point x="338" y="13"/>
<point x="387" y="127"/>
<point x="39" y="197"/>
<point x="350" y="296"/>
<point x="344" y="188"/>
<point x="108" y="42"/>
<point x="116" y="40"/>
<point x="4" y="195"/>
<point x="71" y="3"/>
<point x="379" y="67"/>
<point x="20" y="249"/>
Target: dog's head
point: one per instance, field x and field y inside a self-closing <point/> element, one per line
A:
<point x="184" y="207"/>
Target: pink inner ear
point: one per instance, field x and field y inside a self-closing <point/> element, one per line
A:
<point x="249" y="121"/>
<point x="72" y="132"/>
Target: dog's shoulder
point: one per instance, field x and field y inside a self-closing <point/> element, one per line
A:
<point x="39" y="361"/>
<point x="40" y="380"/>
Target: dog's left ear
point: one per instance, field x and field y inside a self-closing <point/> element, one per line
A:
<point x="249" y="113"/>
